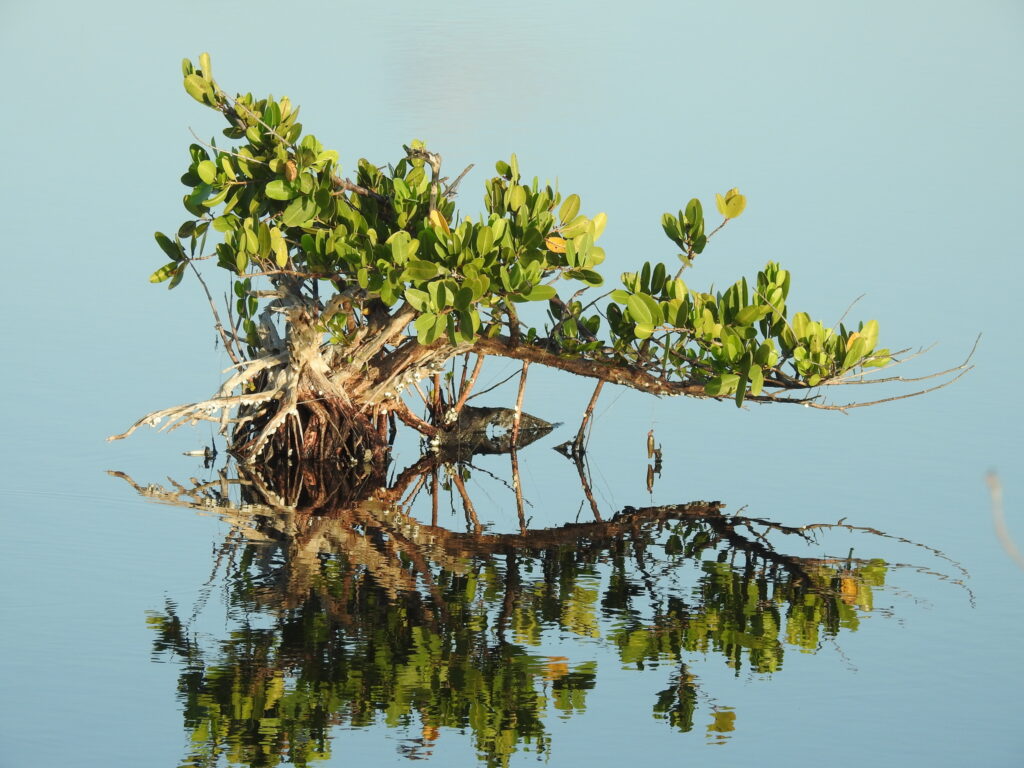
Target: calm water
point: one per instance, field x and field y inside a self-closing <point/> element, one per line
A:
<point x="170" y="616"/>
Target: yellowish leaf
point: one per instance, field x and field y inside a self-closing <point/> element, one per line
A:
<point x="556" y="667"/>
<point x="204" y="65"/>
<point x="555" y="244"/>
<point x="853" y="338"/>
<point x="848" y="589"/>
<point x="732" y="204"/>
<point x="437" y="220"/>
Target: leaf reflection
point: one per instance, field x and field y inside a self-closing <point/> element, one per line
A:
<point x="354" y="613"/>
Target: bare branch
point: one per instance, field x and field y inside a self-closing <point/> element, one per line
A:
<point x="228" y="343"/>
<point x="450" y="189"/>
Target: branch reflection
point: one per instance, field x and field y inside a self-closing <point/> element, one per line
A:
<point x="349" y="613"/>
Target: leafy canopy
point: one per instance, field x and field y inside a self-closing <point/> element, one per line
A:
<point x="391" y="240"/>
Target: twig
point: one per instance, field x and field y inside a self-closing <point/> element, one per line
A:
<point x="843" y="381"/>
<point x="519" y="406"/>
<point x="845" y="313"/>
<point x="995" y="489"/>
<point x="419" y="391"/>
<point x="225" y="151"/>
<point x="464" y="394"/>
<point x="434" y="160"/>
<point x="586" y="488"/>
<point x="449" y="190"/>
<point x="347" y="186"/>
<point x="467" y="503"/>
<point x="228" y="344"/>
<point x="403" y="412"/>
<point x="435" y="483"/>
<point x="849" y="406"/>
<point x="577" y="445"/>
<point x="517" y="483"/>
<point x="495" y="386"/>
<point x="717" y="229"/>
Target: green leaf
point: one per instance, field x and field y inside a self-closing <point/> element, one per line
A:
<point x="695" y="217"/>
<point x="752" y="314"/>
<point x="639" y="310"/>
<point x="301" y="211"/>
<point x="569" y="209"/>
<point x="540" y="293"/>
<point x="198" y="88"/>
<point x="420" y="270"/>
<point x="399" y="243"/>
<point x="164" y="272"/>
<point x="484" y="240"/>
<point x="588" y="276"/>
<point x="620" y="296"/>
<point x="207" y="171"/>
<point x="417" y="299"/>
<point x="722" y="385"/>
<point x="204" y="64"/>
<point x="756" y="377"/>
<point x="168" y="246"/>
<point x="224" y="223"/>
<point x="424" y="325"/>
<point x="464" y="296"/>
<point x="178" y="274"/>
<point x="217" y="199"/>
<point x="869" y="332"/>
<point x="517" y="197"/>
<point x="741" y="390"/>
<point x="643" y="330"/>
<point x="279" y="189"/>
<point x="279" y="247"/>
<point x="857" y="350"/>
<point x="731" y="204"/>
<point x="576" y="227"/>
<point x="670" y="224"/>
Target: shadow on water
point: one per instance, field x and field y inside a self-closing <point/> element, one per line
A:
<point x="347" y="611"/>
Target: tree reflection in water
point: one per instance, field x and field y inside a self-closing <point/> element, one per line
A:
<point x="354" y="613"/>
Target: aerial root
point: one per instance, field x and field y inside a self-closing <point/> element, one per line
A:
<point x="223" y="401"/>
<point x="194" y="412"/>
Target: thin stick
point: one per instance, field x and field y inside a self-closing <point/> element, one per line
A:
<point x="224" y="151"/>
<point x="518" y="486"/>
<point x="467" y="503"/>
<point x="492" y="388"/>
<point x="468" y="387"/>
<point x="403" y="412"/>
<point x="434" y="493"/>
<point x="423" y="397"/>
<point x="843" y="316"/>
<point x="995" y="489"/>
<point x="577" y="444"/>
<point x="228" y="346"/>
<point x="848" y="406"/>
<point x="449" y="190"/>
<point x="436" y="406"/>
<point x="519" y="408"/>
<point x="586" y="488"/>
